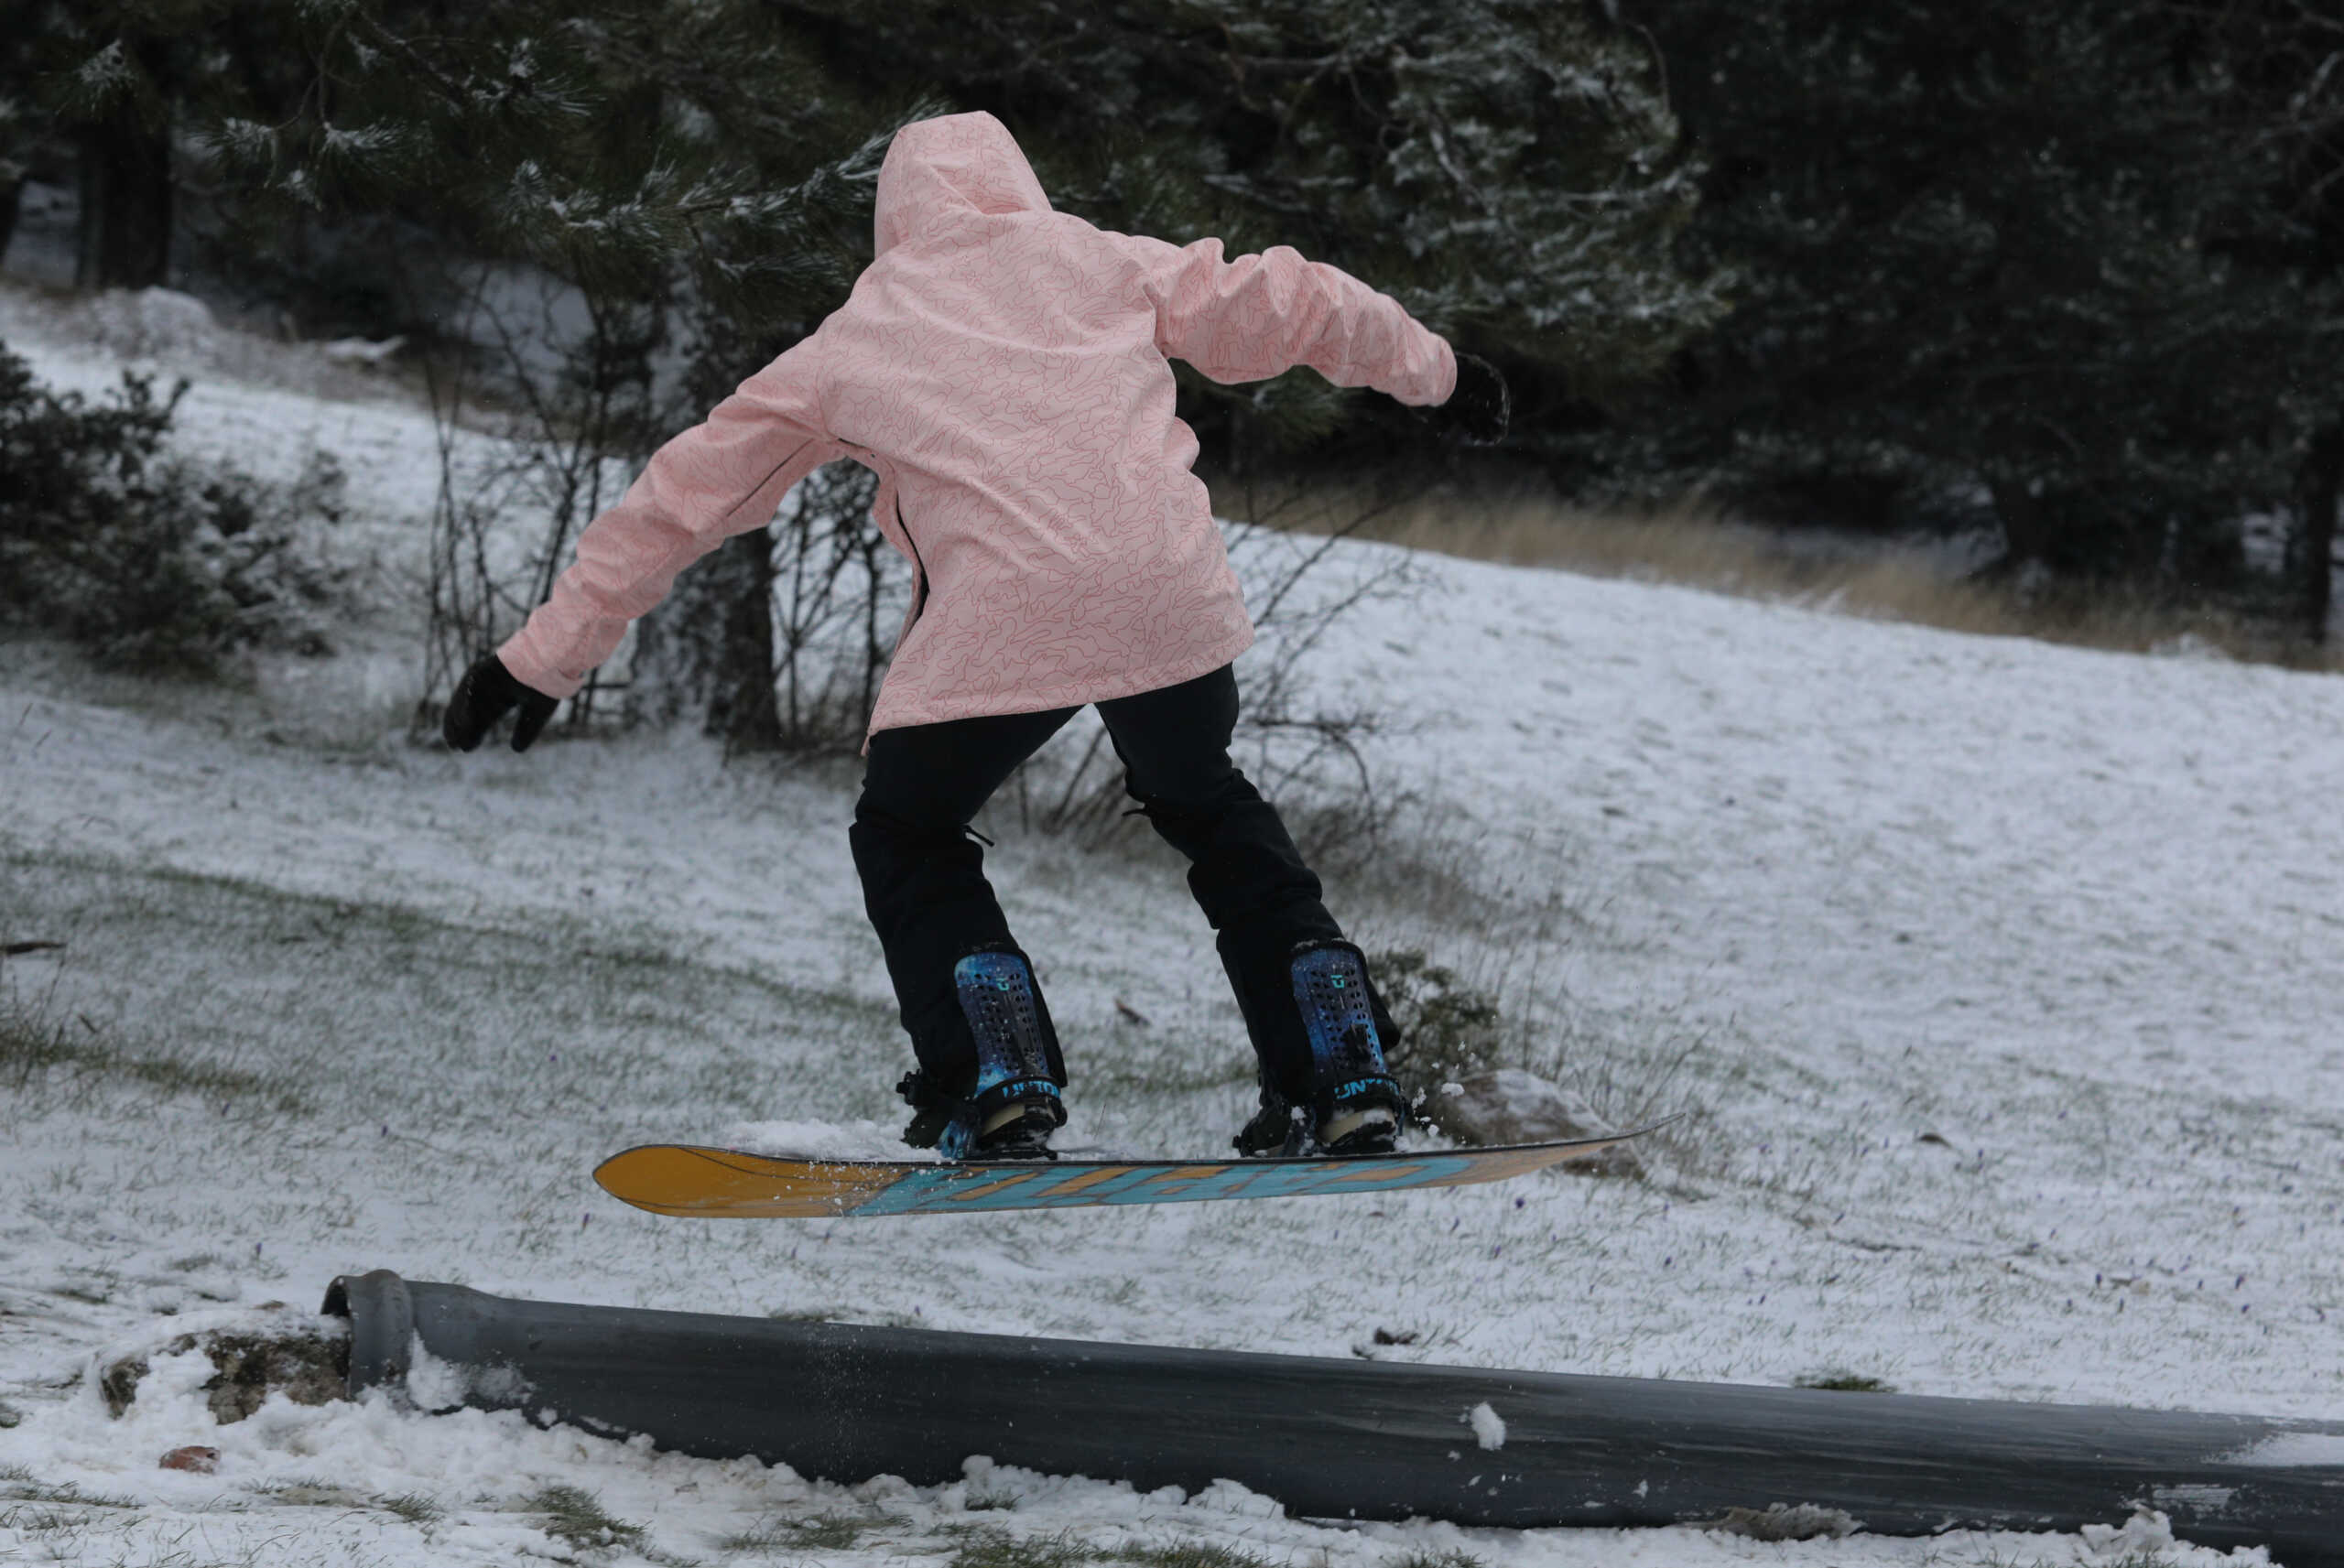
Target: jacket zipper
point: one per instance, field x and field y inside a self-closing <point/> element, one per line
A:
<point x="919" y="567"/>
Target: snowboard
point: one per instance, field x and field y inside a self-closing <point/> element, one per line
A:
<point x="697" y="1183"/>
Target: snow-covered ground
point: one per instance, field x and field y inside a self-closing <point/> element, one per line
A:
<point x="2001" y="980"/>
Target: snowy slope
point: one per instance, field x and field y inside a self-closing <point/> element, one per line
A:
<point x="2000" y="978"/>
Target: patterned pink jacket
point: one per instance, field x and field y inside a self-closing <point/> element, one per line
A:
<point x="1002" y="367"/>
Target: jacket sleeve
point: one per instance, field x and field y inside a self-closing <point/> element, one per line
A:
<point x="725" y="476"/>
<point x="1260" y="315"/>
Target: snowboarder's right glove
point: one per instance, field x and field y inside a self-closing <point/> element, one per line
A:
<point x="485" y="695"/>
<point x="1478" y="409"/>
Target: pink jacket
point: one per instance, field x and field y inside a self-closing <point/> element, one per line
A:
<point x="1002" y="367"/>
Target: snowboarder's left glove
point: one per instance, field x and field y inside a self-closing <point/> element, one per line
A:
<point x="485" y="695"/>
<point x="1478" y="409"/>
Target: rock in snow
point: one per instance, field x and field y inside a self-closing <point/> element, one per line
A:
<point x="1510" y="1106"/>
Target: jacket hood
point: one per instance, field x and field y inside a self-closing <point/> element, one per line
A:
<point x="940" y="169"/>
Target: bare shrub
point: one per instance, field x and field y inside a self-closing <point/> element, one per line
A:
<point x="571" y="409"/>
<point x="831" y="591"/>
<point x="1447" y="1030"/>
<point x="1301" y="753"/>
<point x="576" y="1518"/>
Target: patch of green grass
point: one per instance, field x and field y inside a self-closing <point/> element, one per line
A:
<point x="576" y="1518"/>
<point x="308" y="970"/>
<point x="1449" y="1030"/>
<point x="31" y="1043"/>
<point x="36" y="1046"/>
<point x="823" y="1532"/>
<point x="412" y="1507"/>
<point x="992" y="1547"/>
<point x="24" y="1488"/>
<point x="1205" y="1555"/>
<point x="1843" y="1383"/>
<point x="31" y="1519"/>
<point x="208" y="1081"/>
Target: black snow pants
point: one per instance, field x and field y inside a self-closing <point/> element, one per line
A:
<point x="922" y="877"/>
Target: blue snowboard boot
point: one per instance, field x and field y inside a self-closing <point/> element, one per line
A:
<point x="1353" y="1106"/>
<point x="1010" y="1105"/>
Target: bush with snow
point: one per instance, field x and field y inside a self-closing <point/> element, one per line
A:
<point x="1448" y="1031"/>
<point x="153" y="323"/>
<point x="147" y="560"/>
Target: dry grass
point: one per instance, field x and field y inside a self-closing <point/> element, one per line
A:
<point x="40" y="1047"/>
<point x="1699" y="549"/>
<point x="576" y="1518"/>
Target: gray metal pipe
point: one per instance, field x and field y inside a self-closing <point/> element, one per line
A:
<point x="1334" y="1439"/>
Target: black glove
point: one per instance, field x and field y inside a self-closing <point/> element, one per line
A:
<point x="1477" y="410"/>
<point x="485" y="694"/>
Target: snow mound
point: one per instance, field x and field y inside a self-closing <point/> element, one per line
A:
<point x="154" y="324"/>
<point x="2143" y="1532"/>
<point x="861" y="1139"/>
<point x="441" y="1386"/>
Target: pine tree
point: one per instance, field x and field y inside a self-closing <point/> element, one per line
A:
<point x="613" y="144"/>
<point x="1504" y="166"/>
<point x="1507" y="169"/>
<point x="1982" y="276"/>
<point x="117" y="78"/>
<point x="2283" y="64"/>
<point x="669" y="162"/>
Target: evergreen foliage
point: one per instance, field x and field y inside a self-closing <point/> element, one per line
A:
<point x="618" y="145"/>
<point x="2283" y="61"/>
<point x="118" y="77"/>
<point x="1447" y="1031"/>
<point x="664" y="163"/>
<point x="2072" y="272"/>
<point x="1507" y="169"/>
<point x="148" y="561"/>
<point x="1991" y="267"/>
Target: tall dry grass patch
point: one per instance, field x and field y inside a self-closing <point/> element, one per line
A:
<point x="1922" y="583"/>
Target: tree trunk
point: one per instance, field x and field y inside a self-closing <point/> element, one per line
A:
<point x="741" y="711"/>
<point x="707" y="650"/>
<point x="2027" y="526"/>
<point x="12" y="196"/>
<point x="125" y="183"/>
<point x="2321" y="478"/>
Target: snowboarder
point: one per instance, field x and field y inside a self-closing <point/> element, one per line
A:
<point x="1003" y="368"/>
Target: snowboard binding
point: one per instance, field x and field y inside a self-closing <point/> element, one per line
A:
<point x="1009" y="1106"/>
<point x="1353" y="1106"/>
